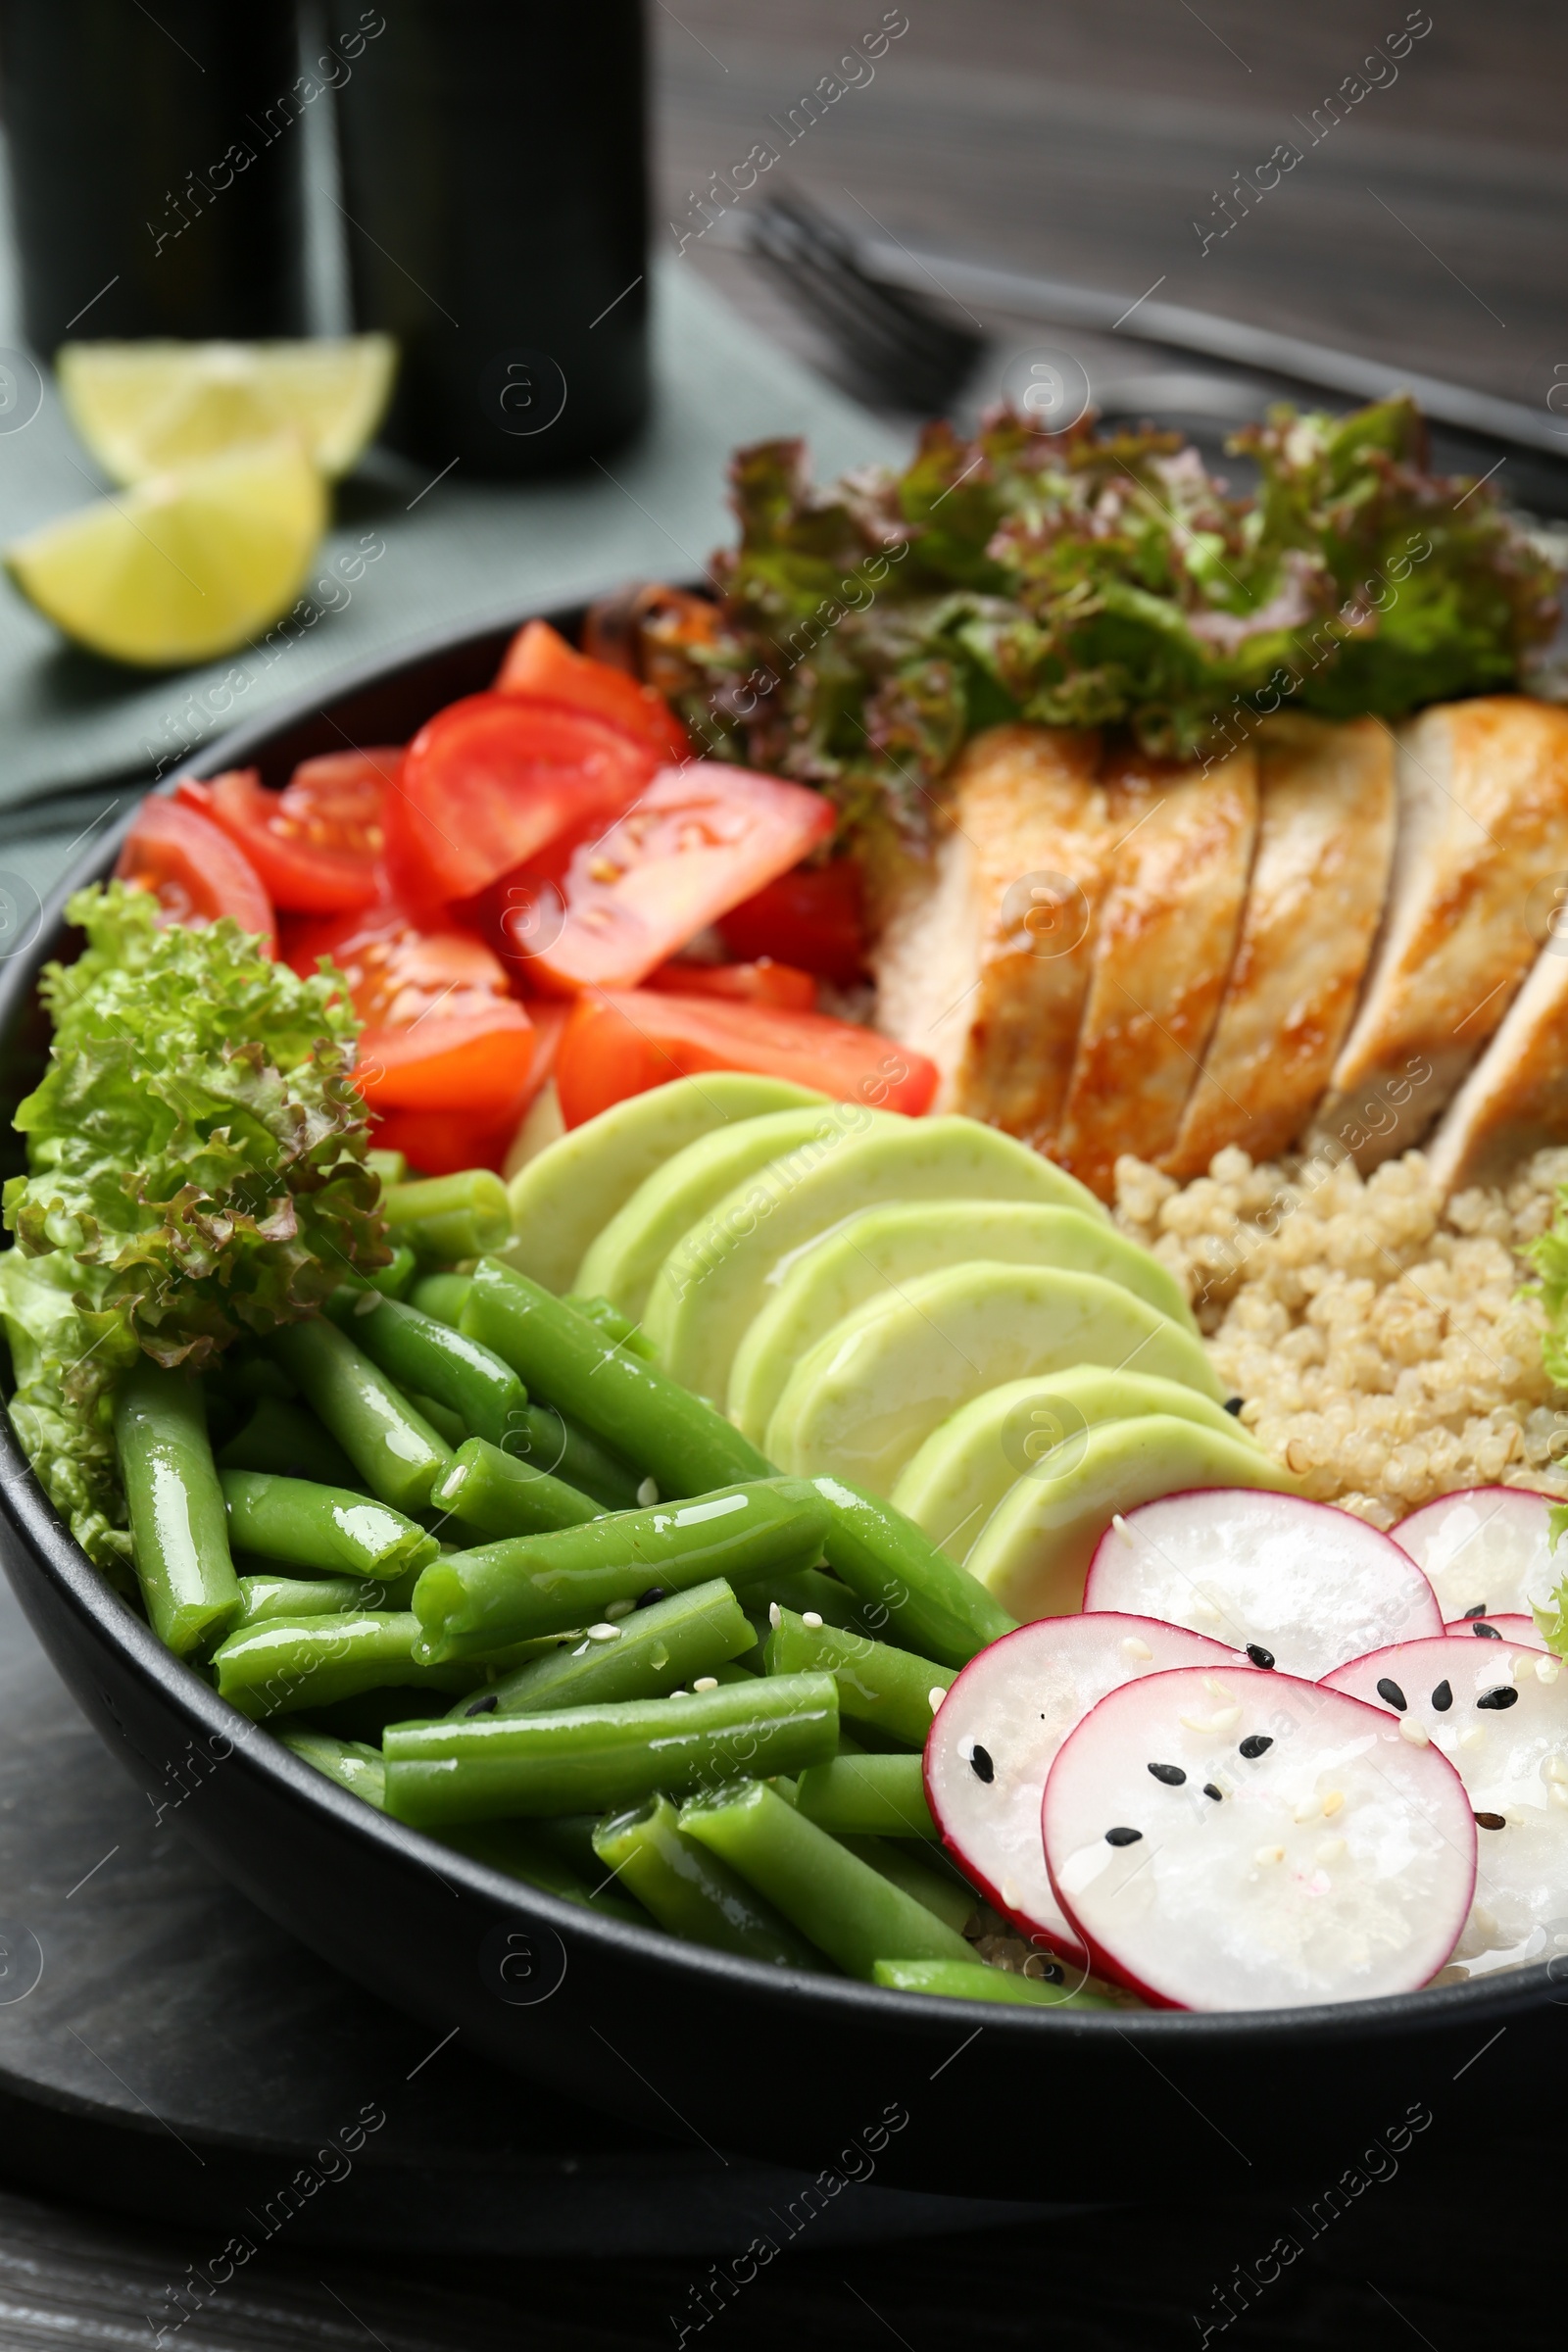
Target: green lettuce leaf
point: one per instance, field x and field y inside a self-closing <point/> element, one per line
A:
<point x="196" y="1171"/>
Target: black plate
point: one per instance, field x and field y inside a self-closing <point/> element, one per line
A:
<point x="816" y="2072"/>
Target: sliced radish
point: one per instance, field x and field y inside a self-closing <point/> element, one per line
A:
<point x="1486" y="1547"/>
<point x="1499" y="1711"/>
<point x="1520" y="1630"/>
<point x="994" y="1735"/>
<point x="1246" y="1841"/>
<point x="1298" y="1584"/>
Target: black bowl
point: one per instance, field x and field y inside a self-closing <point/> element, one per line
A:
<point x="840" y="2076"/>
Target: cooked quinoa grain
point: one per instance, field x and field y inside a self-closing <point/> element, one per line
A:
<point x="1378" y="1337"/>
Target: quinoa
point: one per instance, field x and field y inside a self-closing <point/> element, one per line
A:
<point x="1381" y="1339"/>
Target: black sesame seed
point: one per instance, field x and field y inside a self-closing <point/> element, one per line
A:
<point x="1234" y="1404"/>
<point x="654" y="1593"/>
<point x="1171" y="1774"/>
<point x="980" y="1764"/>
<point x="1491" y="1821"/>
<point x="1255" y="1744"/>
<point x="1505" y="1695"/>
<point x="1479" y="1610"/>
<point x="1487" y="1632"/>
<point x="1258" y="1654"/>
<point x="1209" y="1790"/>
<point x="483" y="1706"/>
<point x="1123" y="1837"/>
<point x="1390" y="1693"/>
<point x="1442" y="1698"/>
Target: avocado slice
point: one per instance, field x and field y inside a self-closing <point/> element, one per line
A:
<point x="885" y="1247"/>
<point x="872" y="1389"/>
<point x="561" y="1199"/>
<point x="626" y="1255"/>
<point x="1034" y="1554"/>
<point x="967" y="1464"/>
<point x="717" y="1278"/>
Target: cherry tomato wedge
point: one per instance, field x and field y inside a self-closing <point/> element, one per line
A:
<point x="194" y="870"/>
<point x="622" y="1044"/>
<point x="491" y="779"/>
<point x="477" y="1061"/>
<point x="540" y="663"/>
<point x="699" y="840"/>
<point x="810" y="917"/>
<point x="764" y="982"/>
<point x="281" y="834"/>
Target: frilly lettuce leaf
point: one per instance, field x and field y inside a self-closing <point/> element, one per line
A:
<point x="196" y="1170"/>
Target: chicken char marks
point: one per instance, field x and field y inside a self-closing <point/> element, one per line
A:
<point x="1314" y="940"/>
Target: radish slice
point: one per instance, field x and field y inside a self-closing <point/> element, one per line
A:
<point x="1298" y="1584"/>
<point x="1499" y="1711"/>
<point x="995" y="1735"/>
<point x="1520" y="1630"/>
<point x="1245" y="1840"/>
<point x="1486" y="1547"/>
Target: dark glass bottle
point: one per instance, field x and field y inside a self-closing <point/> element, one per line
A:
<point x="156" y="163"/>
<point x="494" y="191"/>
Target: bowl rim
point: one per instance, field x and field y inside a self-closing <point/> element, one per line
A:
<point x="32" y="1521"/>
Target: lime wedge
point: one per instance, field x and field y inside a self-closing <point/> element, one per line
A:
<point x="143" y="407"/>
<point x="184" y="566"/>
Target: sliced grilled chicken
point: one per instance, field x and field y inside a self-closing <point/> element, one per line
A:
<point x="984" y="955"/>
<point x="1181" y="852"/>
<point x="1325" y="839"/>
<point x="1515" y="1101"/>
<point x="1483" y="823"/>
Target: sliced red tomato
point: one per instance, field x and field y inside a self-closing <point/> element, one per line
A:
<point x="699" y="840"/>
<point x="194" y="870"/>
<point x="478" y="1062"/>
<point x="620" y="1043"/>
<point x="442" y="1143"/>
<point x="490" y="780"/>
<point x="539" y="662"/>
<point x="299" y="839"/>
<point x="810" y="917"/>
<point x="764" y="982"/>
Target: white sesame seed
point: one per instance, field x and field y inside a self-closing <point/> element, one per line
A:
<point x="812" y="1618"/>
<point x="1548" y="1668"/>
<point x="1333" y="1801"/>
<point x="1416" y="1732"/>
<point x="1473" y="1737"/>
<point x="1269" y="1853"/>
<point x="1559" y="1794"/>
<point x="604" y="1633"/>
<point x="1122" y="1527"/>
<point x="648" y="1494"/>
<point x="1555" y="1767"/>
<point x="935" y="1695"/>
<point x="966" y="1748"/>
<point x="1307" y="1810"/>
<point x="1133" y="1649"/>
<point x="775" y="1615"/>
<point x="706" y="1682"/>
<point x="1329" y="1850"/>
<point x="367" y="1302"/>
<point x="1217" y="1689"/>
<point x="619" y="1608"/>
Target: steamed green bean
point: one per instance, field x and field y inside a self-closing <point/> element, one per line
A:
<point x="284" y="1438"/>
<point x="872" y="1796"/>
<point x="691" y="1892"/>
<point x="288" y="1663"/>
<point x="329" y="1529"/>
<point x="645" y="1655"/>
<point x="444" y="1218"/>
<point x="178" y="1528"/>
<point x="427" y="1358"/>
<point x="886" y="1688"/>
<point x="493" y="1494"/>
<point x="396" y="1451"/>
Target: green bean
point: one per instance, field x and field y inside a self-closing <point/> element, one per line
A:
<point x="449" y="1427"/>
<point x="522" y="1851"/>
<point x="288" y="1663"/>
<point x="179" y="1530"/>
<point x="284" y="1438"/>
<point x="680" y="1441"/>
<point x="839" y="1902"/>
<point x="442" y="1296"/>
<point x="906" y="1587"/>
<point x="886" y="1688"/>
<point x="692" y="1892"/>
<point x="426" y="1356"/>
<point x="944" y="1896"/>
<point x="870" y="1797"/>
<point x="973" y="1981"/>
<point x="616" y="1327"/>
<point x="249" y="1374"/>
<point x="495" y="1494"/>
<point x="552" y="1440"/>
<point x="267" y="1596"/>
<point x="442" y="1218"/>
<point x="331" y="1529"/>
<point x="390" y="1166"/>
<point x="396" y="1452"/>
<point x="651" y="1652"/>
<point x="594" y="1758"/>
<point x="390" y="1281"/>
<point x="470" y="1603"/>
<point x="350" y="1762"/>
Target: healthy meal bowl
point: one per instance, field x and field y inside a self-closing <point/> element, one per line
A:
<point x="734" y="1344"/>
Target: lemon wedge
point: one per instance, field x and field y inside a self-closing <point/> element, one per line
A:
<point x="184" y="566"/>
<point x="145" y="407"/>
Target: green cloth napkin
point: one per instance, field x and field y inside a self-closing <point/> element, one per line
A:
<point x="78" y="736"/>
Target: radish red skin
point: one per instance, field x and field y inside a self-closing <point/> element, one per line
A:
<point x="1523" y="1631"/>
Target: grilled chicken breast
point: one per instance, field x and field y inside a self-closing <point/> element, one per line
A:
<point x="1515" y="1100"/>
<point x="984" y="953"/>
<point x="1483" y="823"/>
<point x="1325" y="840"/>
<point x="1180" y="856"/>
